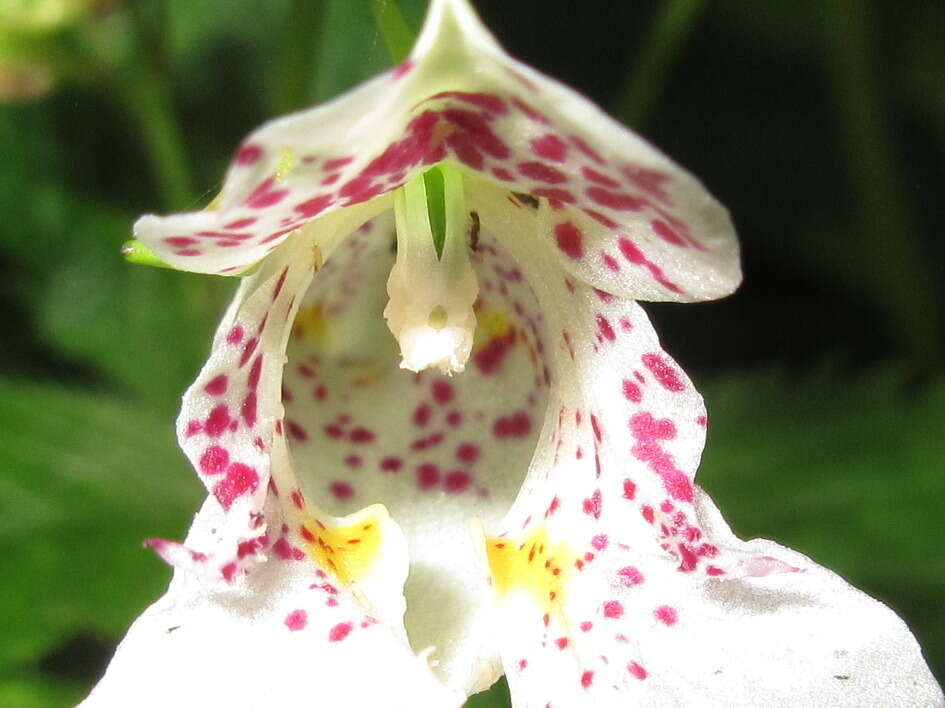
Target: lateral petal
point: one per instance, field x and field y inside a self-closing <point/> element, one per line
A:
<point x="616" y="581"/>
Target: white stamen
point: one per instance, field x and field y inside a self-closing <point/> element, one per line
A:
<point x="430" y="311"/>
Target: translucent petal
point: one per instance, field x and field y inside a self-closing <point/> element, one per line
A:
<point x="631" y="220"/>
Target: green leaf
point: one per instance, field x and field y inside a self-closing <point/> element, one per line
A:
<point x="846" y="470"/>
<point x="495" y="697"/>
<point x="397" y="34"/>
<point x="86" y="478"/>
<point x="37" y="691"/>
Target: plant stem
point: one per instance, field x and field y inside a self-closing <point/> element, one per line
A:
<point x="900" y="281"/>
<point x="643" y="89"/>
<point x="296" y="65"/>
<point x="397" y="34"/>
<point x="144" y="89"/>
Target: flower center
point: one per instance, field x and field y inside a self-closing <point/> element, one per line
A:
<point x="432" y="286"/>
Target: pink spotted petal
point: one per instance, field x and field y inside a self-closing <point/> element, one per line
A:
<point x="277" y="637"/>
<point x="626" y="218"/>
<point x="635" y="592"/>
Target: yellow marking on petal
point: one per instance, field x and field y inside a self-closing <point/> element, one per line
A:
<point x="347" y="551"/>
<point x="491" y="323"/>
<point x="535" y="566"/>
<point x="287" y="163"/>
<point x="311" y="323"/>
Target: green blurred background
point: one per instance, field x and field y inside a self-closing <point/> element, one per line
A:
<point x="820" y="123"/>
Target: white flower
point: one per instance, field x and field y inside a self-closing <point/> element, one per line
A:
<point x="542" y="499"/>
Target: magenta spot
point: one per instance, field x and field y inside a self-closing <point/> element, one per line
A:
<point x="217" y="385"/>
<point x="248" y="350"/>
<point x="361" y="435"/>
<point x="248" y="155"/>
<point x="666" y="614"/>
<point x="218" y="421"/>
<point x="569" y="239"/>
<point x="241" y="223"/>
<point x="228" y="572"/>
<point x="254" y="372"/>
<point x="517" y="425"/>
<point x="550" y="147"/>
<point x="555" y="196"/>
<point x="592" y="506"/>
<point x="615" y="200"/>
<point x="283" y="549"/>
<point x="646" y="428"/>
<point x="428" y="475"/>
<point x="664" y="373"/>
<point x="403" y="69"/>
<point x="180" y="241"/>
<point x="296" y="431"/>
<point x="488" y="101"/>
<point x="314" y="206"/>
<point x="610" y="262"/>
<point x="333" y="431"/>
<point x="391" y="464"/>
<point x="594" y="176"/>
<point x="240" y="479"/>
<point x="442" y="392"/>
<point x="354" y="461"/>
<point x="340" y="631"/>
<point x="629" y="576"/>
<point x="529" y="111"/>
<point x="587" y="149"/>
<point x="341" y="490"/>
<point x="265" y="196"/>
<point x="503" y="174"/>
<point x="454" y="419"/>
<point x="248" y="409"/>
<point x="337" y="163"/>
<point x="613" y="610"/>
<point x="586" y="626"/>
<point x="604" y="328"/>
<point x="636" y="670"/>
<point x="541" y="172"/>
<point x="599" y="542"/>
<point x="214" y="460"/>
<point x="467" y="452"/>
<point x="632" y="392"/>
<point x="457" y="482"/>
<point x="235" y="335"/>
<point x="296" y="620"/>
<point x="666" y="232"/>
<point x="587" y="678"/>
<point x="421" y="414"/>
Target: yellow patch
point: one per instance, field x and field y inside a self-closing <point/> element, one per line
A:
<point x="287" y="163"/>
<point x="347" y="551"/>
<point x="491" y="323"/>
<point x="535" y="566"/>
<point x="311" y="323"/>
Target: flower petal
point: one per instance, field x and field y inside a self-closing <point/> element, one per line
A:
<point x="280" y="636"/>
<point x="436" y="450"/>
<point x="630" y="220"/>
<point x="616" y="581"/>
<point x="266" y="579"/>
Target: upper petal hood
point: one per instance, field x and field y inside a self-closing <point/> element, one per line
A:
<point x="460" y="98"/>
